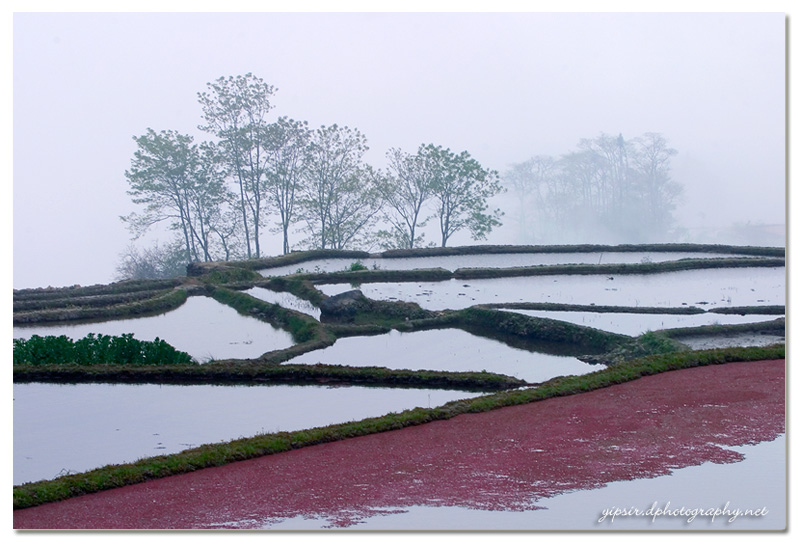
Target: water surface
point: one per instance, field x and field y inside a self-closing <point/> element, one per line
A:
<point x="202" y="327"/>
<point x="633" y="324"/>
<point x="492" y="261"/>
<point x="705" y="289"/>
<point x="704" y="342"/>
<point x="446" y="350"/>
<point x="77" y="427"/>
<point x="286" y="300"/>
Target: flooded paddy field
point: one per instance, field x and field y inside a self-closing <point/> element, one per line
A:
<point x="286" y="300"/>
<point x="446" y="350"/>
<point x="502" y="469"/>
<point x="60" y="428"/>
<point x="453" y="262"/>
<point x="704" y="342"/>
<point x="533" y="466"/>
<point x="704" y="289"/>
<point x="202" y="327"/>
<point x="634" y="324"/>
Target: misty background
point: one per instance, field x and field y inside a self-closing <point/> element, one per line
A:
<point x="504" y="87"/>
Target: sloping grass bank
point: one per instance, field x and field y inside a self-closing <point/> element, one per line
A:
<point x="595" y="308"/>
<point x="357" y="277"/>
<point x="114" y="476"/>
<point x="141" y="307"/>
<point x="540" y="329"/>
<point x="620" y="268"/>
<point x="777" y="327"/>
<point x="126" y="286"/>
<point x="263" y="374"/>
<point x="302" y="327"/>
<point x="586" y="248"/>
<point x="89" y="301"/>
<point x="296" y="258"/>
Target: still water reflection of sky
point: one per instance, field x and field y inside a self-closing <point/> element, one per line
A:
<point x="202" y="327"/>
<point x="701" y="288"/>
<point x="491" y="261"/>
<point x="78" y="427"/>
<point x="634" y="324"/>
<point x="757" y="481"/>
<point x="446" y="350"/>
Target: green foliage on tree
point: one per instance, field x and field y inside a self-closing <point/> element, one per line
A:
<point x="405" y="190"/>
<point x="288" y="143"/>
<point x="235" y="110"/>
<point x="339" y="200"/>
<point x="457" y="185"/>
<point x="219" y="195"/>
<point x="179" y="182"/>
<point x="461" y="189"/>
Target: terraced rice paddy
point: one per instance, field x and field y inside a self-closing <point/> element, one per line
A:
<point x="67" y="428"/>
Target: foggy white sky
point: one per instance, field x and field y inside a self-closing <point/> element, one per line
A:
<point x="504" y="87"/>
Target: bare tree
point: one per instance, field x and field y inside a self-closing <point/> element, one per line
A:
<point x="152" y="263"/>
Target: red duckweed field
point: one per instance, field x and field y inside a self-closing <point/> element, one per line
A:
<point x="503" y="460"/>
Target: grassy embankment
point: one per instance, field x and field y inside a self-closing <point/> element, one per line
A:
<point x="587" y="248"/>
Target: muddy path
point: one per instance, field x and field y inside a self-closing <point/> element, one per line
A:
<point x="505" y="459"/>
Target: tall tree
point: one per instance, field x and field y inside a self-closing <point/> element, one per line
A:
<point x="354" y="210"/>
<point x="405" y="191"/>
<point x="211" y="205"/>
<point x="288" y="146"/>
<point x="335" y="202"/>
<point x="162" y="177"/>
<point x="461" y="189"/>
<point x="532" y="182"/>
<point x="177" y="181"/>
<point x="235" y="110"/>
<point x="652" y="158"/>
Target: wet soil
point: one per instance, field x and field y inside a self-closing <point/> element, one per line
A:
<point x="505" y="459"/>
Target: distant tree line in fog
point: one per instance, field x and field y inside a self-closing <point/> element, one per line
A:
<point x="218" y="196"/>
<point x="609" y="188"/>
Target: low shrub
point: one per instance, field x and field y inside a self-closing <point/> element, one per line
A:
<point x="93" y="349"/>
<point x="357" y="266"/>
